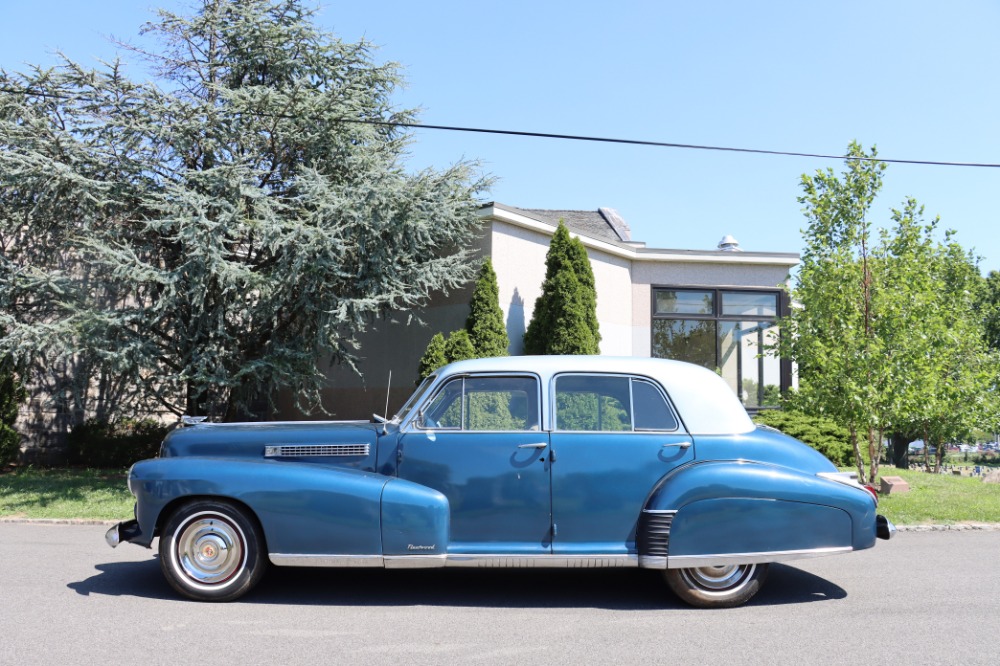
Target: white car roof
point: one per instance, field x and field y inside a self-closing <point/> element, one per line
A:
<point x="706" y="404"/>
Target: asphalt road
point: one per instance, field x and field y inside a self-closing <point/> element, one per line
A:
<point x="922" y="598"/>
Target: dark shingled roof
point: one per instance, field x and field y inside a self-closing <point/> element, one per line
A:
<point x="604" y="224"/>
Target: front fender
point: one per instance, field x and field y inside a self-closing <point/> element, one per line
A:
<point x="303" y="508"/>
<point x="746" y="508"/>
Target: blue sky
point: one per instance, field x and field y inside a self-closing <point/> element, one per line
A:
<point x="917" y="78"/>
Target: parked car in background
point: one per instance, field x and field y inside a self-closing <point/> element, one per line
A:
<point x="506" y="462"/>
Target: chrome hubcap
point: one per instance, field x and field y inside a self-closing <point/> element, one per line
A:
<point x="720" y="578"/>
<point x="210" y="549"/>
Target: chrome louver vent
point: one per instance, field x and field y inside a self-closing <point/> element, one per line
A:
<point x="313" y="450"/>
<point x="654" y="532"/>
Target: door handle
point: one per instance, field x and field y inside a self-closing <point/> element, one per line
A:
<point x="682" y="445"/>
<point x="533" y="445"/>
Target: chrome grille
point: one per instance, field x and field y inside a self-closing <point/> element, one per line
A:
<point x="312" y="450"/>
<point x="654" y="532"/>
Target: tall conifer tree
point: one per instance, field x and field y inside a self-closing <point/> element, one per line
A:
<point x="564" y="320"/>
<point x="485" y="322"/>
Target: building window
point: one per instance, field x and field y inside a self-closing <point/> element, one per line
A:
<point x="728" y="331"/>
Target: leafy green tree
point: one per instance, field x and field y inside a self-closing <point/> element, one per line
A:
<point x="485" y="322"/>
<point x="988" y="305"/>
<point x="832" y="336"/>
<point x="885" y="338"/>
<point x="942" y="369"/>
<point x="210" y="235"/>
<point x="434" y="357"/>
<point x="564" y="320"/>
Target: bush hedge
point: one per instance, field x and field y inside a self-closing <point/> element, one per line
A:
<point x="822" y="434"/>
<point x="97" y="443"/>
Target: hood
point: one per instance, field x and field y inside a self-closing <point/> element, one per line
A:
<point x="293" y="440"/>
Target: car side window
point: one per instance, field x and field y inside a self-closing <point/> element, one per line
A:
<point x="605" y="403"/>
<point x="485" y="404"/>
<point x="593" y="403"/>
<point x="651" y="409"/>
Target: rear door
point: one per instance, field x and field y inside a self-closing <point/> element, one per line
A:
<point x="614" y="437"/>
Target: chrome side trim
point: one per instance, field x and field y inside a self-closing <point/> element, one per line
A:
<point x="467" y="561"/>
<point x="690" y="561"/>
<point x="652" y="562"/>
<point x="337" y="561"/>
<point x="483" y="561"/>
<point x="543" y="561"/>
<point x="311" y="450"/>
<point x="415" y="561"/>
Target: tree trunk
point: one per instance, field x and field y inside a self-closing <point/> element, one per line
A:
<point x="900" y="450"/>
<point x="874" y="453"/>
<point x="857" y="454"/>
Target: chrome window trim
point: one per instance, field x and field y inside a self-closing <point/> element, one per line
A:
<point x="410" y="425"/>
<point x="553" y="407"/>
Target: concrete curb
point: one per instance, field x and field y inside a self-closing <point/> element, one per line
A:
<point x="58" y="521"/>
<point x="960" y="527"/>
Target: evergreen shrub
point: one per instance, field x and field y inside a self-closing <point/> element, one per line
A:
<point x="99" y="443"/>
<point x="822" y="434"/>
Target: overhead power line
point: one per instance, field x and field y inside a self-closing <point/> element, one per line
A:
<point x="597" y="139"/>
<point x="664" y="144"/>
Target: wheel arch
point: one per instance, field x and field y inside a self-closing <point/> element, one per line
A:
<point x="178" y="503"/>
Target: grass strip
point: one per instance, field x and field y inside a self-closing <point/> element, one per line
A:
<point x="943" y="499"/>
<point x="94" y="494"/>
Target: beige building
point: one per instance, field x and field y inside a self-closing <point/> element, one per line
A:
<point x="715" y="307"/>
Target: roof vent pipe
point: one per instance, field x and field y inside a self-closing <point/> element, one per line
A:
<point x="729" y="244"/>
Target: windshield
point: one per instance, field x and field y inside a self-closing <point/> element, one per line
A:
<point x="414" y="399"/>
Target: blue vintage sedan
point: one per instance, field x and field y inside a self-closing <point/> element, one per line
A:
<point x="527" y="461"/>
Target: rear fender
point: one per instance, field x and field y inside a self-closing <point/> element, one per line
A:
<point x="758" y="511"/>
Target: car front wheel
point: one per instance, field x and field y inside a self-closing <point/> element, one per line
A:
<point x="212" y="551"/>
<point x="721" y="586"/>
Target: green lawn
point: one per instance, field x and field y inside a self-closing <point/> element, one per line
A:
<point x="102" y="495"/>
<point x="65" y="493"/>
<point x="940" y="498"/>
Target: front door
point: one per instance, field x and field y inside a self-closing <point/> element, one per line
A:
<point x="479" y="443"/>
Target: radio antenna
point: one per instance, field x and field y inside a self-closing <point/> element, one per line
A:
<point x="387" y="389"/>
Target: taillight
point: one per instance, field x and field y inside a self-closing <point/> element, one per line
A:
<point x="870" y="488"/>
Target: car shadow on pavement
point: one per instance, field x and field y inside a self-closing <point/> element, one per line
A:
<point x="611" y="589"/>
<point x="787" y="585"/>
<point x="132" y="579"/>
<point x="505" y="588"/>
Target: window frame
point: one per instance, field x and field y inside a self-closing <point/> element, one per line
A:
<point x="417" y="422"/>
<point x="782" y="310"/>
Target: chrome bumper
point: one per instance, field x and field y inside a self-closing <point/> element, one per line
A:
<point x="124" y="531"/>
<point x="883" y="528"/>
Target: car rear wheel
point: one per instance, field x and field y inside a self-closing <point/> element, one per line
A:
<point x="720" y="586"/>
<point x="212" y="551"/>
